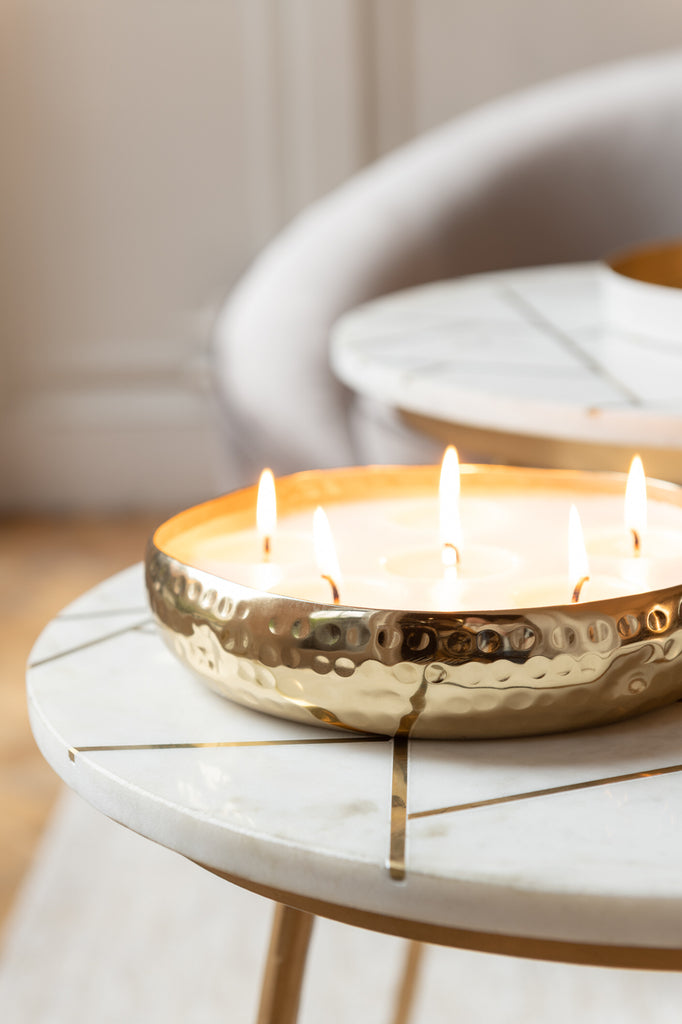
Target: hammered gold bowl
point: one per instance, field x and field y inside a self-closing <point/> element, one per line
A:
<point x="430" y="674"/>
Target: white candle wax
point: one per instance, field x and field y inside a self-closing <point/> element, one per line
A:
<point x="555" y="590"/>
<point x="522" y="563"/>
<point x="477" y="561"/>
<point x="357" y="591"/>
<point x="239" y="556"/>
<point x="478" y="517"/>
<point x="612" y="551"/>
<point x="519" y="517"/>
<point x="658" y="543"/>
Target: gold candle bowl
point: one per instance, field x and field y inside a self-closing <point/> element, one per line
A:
<point x="440" y="675"/>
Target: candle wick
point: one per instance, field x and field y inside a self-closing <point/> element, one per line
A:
<point x="578" y="588"/>
<point x="335" y="590"/>
<point x="267" y="547"/>
<point x="450" y="550"/>
<point x="637" y="541"/>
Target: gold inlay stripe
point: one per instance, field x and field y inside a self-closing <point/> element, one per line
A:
<point x="409" y="983"/>
<point x="396" y="855"/>
<point x="550" y="791"/>
<point x="401" y="747"/>
<point x="222" y="743"/>
<point x="91" y="643"/>
<point x="101" y="613"/>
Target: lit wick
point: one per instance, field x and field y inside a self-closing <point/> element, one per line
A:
<point x="266" y="511"/>
<point x="635" y="504"/>
<point x="335" y="590"/>
<point x="575" y="597"/>
<point x="450" y="555"/>
<point x="325" y="553"/>
<point x="450" y="523"/>
<point x="578" y="565"/>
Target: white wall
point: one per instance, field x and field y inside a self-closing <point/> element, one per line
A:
<point x="151" y="147"/>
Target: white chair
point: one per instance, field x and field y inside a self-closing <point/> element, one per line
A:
<point x="562" y="172"/>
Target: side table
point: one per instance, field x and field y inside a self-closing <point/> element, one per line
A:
<point x="562" y="847"/>
<point x="519" y="366"/>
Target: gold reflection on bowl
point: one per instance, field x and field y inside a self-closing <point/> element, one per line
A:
<point x="430" y="674"/>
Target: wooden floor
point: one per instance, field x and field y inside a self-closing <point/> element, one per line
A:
<point x="44" y="564"/>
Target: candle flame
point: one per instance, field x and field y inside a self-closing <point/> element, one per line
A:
<point x="266" y="510"/>
<point x="450" y="522"/>
<point x="578" y="564"/>
<point x="325" y="552"/>
<point x="635" y="503"/>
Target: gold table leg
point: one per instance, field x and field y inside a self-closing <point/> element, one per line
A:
<point x="408" y="985"/>
<point x="283" y="977"/>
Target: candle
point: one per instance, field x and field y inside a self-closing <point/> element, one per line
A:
<point x="266" y="511"/>
<point x="325" y="553"/>
<point x="329" y="583"/>
<point x="485" y="655"/>
<point x="639" y="550"/>
<point x="255" y="555"/>
<point x="578" y="583"/>
<point x="387" y="557"/>
<point x="446" y="572"/>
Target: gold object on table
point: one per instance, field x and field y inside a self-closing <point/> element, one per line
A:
<point x="431" y="674"/>
<point x="657" y="263"/>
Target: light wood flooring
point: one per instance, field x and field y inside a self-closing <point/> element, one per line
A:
<point x="44" y="564"/>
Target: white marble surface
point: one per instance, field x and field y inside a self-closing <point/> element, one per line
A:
<point x="527" y="351"/>
<point x="598" y="864"/>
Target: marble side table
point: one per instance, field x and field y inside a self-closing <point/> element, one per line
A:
<point x="564" y="847"/>
<point x="520" y="366"/>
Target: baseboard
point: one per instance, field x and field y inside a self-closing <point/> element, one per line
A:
<point x="114" y="448"/>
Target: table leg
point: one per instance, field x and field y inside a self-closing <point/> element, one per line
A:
<point x="408" y="985"/>
<point x="283" y="977"/>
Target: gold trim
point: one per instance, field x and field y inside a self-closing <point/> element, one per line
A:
<point x="550" y="791"/>
<point x="533" y="450"/>
<point x="533" y="315"/>
<point x="659" y="263"/>
<point x="227" y="743"/>
<point x="399" y="776"/>
<point x="67" y="616"/>
<point x="92" y="643"/>
<point x="408" y="984"/>
<point x="651" y="958"/>
<point x="396" y="856"/>
<point x="285" y="966"/>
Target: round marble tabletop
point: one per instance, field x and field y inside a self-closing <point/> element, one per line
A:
<point x="525" y="352"/>
<point x="563" y="846"/>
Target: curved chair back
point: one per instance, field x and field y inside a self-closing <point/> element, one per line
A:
<point x="566" y="171"/>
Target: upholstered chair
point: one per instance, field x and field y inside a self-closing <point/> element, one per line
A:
<point x="566" y="171"/>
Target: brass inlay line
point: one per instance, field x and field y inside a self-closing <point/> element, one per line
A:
<point x="226" y="743"/>
<point x="101" y="613"/>
<point x="91" y="643"/>
<point x="396" y="856"/>
<point x="398" y="840"/>
<point x="551" y="791"/>
<point x="533" y="316"/>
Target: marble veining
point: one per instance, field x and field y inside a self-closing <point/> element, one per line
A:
<point x="535" y="340"/>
